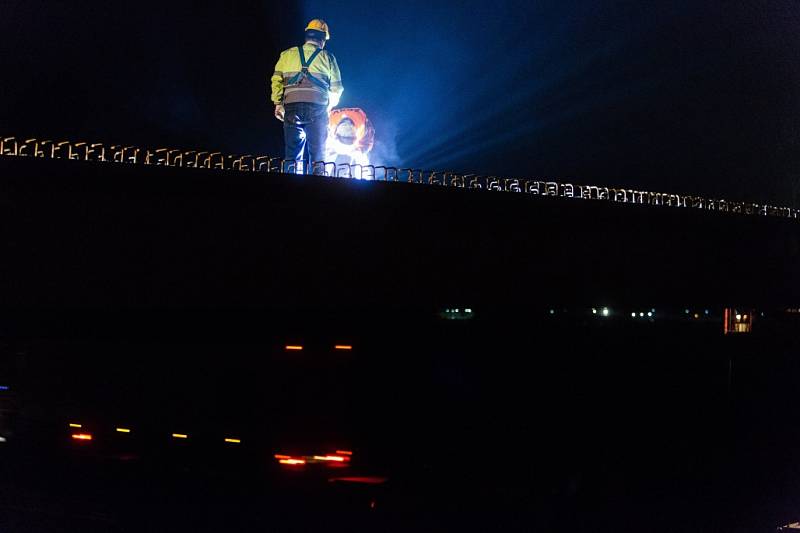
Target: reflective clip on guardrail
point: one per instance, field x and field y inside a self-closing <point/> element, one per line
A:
<point x="174" y="157"/>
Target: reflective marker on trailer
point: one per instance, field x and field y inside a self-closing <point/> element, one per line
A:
<point x="343" y="347"/>
<point x="81" y="436"/>
<point x="180" y="436"/>
<point x="123" y="430"/>
<point x="293" y="348"/>
<point x="367" y="480"/>
<point x="292" y="461"/>
<point x="334" y="458"/>
<point x="233" y="441"/>
<point x="75" y="426"/>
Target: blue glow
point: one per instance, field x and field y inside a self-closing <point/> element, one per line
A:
<point x="508" y="87"/>
<point x="4" y="387"/>
<point x="458" y="87"/>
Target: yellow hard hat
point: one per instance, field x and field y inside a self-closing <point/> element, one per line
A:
<point x="319" y="25"/>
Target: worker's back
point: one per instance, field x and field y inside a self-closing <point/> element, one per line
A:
<point x="324" y="70"/>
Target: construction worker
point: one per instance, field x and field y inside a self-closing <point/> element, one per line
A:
<point x="306" y="85"/>
<point x="350" y="137"/>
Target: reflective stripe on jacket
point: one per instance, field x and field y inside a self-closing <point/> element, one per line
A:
<point x="324" y="68"/>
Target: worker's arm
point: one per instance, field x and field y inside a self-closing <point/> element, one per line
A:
<point x="277" y="89"/>
<point x="337" y="88"/>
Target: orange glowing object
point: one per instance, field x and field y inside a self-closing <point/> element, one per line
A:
<point x="180" y="436"/>
<point x="292" y="461"/>
<point x="293" y="348"/>
<point x="81" y="436"/>
<point x="75" y="426"/>
<point x="343" y="347"/>
<point x="233" y="441"/>
<point x="278" y="456"/>
<point x="344" y="452"/>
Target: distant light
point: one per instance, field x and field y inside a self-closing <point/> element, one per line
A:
<point x="292" y="461"/>
<point x="633" y="315"/>
<point x="233" y="441"/>
<point x="552" y="312"/>
<point x="2" y="439"/>
<point x="745" y="317"/>
<point x="649" y="313"/>
<point x="696" y="315"/>
<point x="81" y="436"/>
<point x="738" y="317"/>
<point x="293" y="348"/>
<point x="456" y="311"/>
<point x="605" y="311"/>
<point x="180" y="436"/>
<point x="641" y="314"/>
<point x="706" y="311"/>
<point x="4" y="387"/>
<point x="123" y="430"/>
<point x="75" y="426"/>
<point x="344" y="347"/>
<point x="344" y="452"/>
<point x="653" y="311"/>
<point x="279" y="456"/>
<point x="686" y="311"/>
<point x="468" y="310"/>
<point x="594" y="311"/>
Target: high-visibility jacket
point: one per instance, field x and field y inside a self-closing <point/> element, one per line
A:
<point x="319" y="83"/>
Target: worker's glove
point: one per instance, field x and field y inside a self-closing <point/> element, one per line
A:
<point x="279" y="112"/>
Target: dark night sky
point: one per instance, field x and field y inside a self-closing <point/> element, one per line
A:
<point x="685" y="96"/>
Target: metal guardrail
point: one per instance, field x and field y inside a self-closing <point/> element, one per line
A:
<point x="170" y="157"/>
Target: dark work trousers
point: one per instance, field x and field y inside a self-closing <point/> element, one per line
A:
<point x="305" y="130"/>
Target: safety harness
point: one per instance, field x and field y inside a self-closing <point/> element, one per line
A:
<point x="304" y="73"/>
